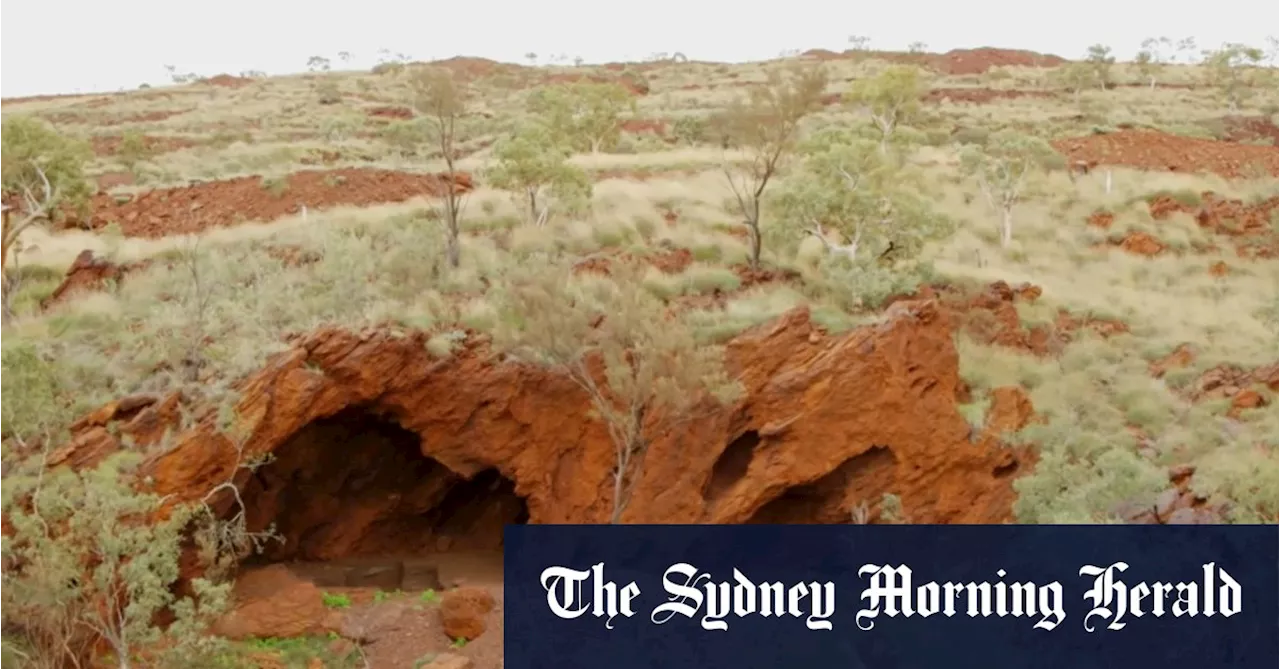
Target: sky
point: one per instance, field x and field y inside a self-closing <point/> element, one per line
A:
<point x="69" y="46"/>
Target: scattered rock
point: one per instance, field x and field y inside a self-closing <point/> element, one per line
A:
<point x="191" y="209"/>
<point x="463" y="611"/>
<point x="1246" y="399"/>
<point x="1165" y="504"/>
<point x="1181" y="357"/>
<point x="1142" y="243"/>
<point x="380" y="622"/>
<point x="991" y="316"/>
<point x="272" y="602"/>
<point x="1101" y="219"/>
<point x="1176" y="505"/>
<point x="89" y="273"/>
<point x="1158" y="151"/>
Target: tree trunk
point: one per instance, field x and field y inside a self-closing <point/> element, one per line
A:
<point x="619" y="482"/>
<point x="753" y="237"/>
<point x="1006" y="227"/>
<point x="453" y="246"/>
<point x="618" y="504"/>
<point x="452" y="251"/>
<point x="8" y="288"/>
<point x="533" y="205"/>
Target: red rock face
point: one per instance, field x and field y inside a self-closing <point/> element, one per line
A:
<point x="89" y="273"/>
<point x="380" y="448"/>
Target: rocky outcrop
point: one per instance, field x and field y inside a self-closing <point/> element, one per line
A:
<point x="89" y="273"/>
<point x="378" y="447"/>
<point x="1178" y="504"/>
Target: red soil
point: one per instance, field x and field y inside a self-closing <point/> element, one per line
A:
<point x="672" y="261"/>
<point x="1153" y="150"/>
<point x="389" y="112"/>
<point x="639" y="126"/>
<point x="1251" y="128"/>
<point x="978" y="61"/>
<point x="190" y="209"/>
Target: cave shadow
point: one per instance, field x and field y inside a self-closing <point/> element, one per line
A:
<point x="830" y="499"/>
<point x="356" y="485"/>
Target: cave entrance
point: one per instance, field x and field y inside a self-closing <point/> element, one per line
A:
<point x="830" y="499"/>
<point x="355" y="502"/>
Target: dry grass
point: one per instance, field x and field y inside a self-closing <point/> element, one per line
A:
<point x="377" y="267"/>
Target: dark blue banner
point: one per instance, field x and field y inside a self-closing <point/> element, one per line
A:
<point x="891" y="597"/>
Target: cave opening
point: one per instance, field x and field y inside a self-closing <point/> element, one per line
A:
<point x="355" y="489"/>
<point x="830" y="500"/>
<point x="731" y="466"/>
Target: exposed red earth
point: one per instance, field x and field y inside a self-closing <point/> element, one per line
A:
<point x="989" y="314"/>
<point x="227" y="81"/>
<point x="1251" y="128"/>
<point x="189" y="209"/>
<point x="1249" y="224"/>
<point x="673" y="261"/>
<point x="1232" y="382"/>
<point x="637" y="126"/>
<point x="89" y="273"/>
<point x="1158" y="151"/>
<point x="385" y="113"/>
